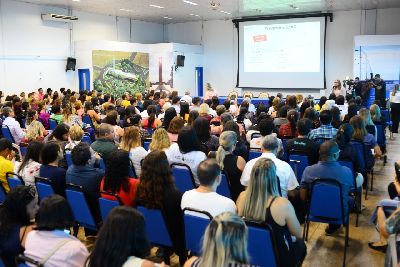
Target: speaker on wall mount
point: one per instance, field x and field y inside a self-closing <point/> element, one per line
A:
<point x="180" y="60"/>
<point x="71" y="64"/>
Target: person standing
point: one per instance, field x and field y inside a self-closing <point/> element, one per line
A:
<point x="380" y="90"/>
<point x="395" y="108"/>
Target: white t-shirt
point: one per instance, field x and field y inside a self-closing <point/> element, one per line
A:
<point x="133" y="261"/>
<point x="40" y="243"/>
<point x="136" y="155"/>
<point x="28" y="173"/>
<point x="192" y="159"/>
<point x="285" y="173"/>
<point x="187" y="99"/>
<point x="211" y="202"/>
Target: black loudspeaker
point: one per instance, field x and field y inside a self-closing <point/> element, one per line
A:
<point x="180" y="61"/>
<point x="71" y="63"/>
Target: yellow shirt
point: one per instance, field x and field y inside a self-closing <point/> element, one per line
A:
<point x="5" y="166"/>
<point x="125" y="103"/>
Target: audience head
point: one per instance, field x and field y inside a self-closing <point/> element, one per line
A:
<point x="282" y="112"/>
<point x="232" y="126"/>
<point x="160" y="140"/>
<point x="266" y="126"/>
<point x="184" y="109"/>
<point x="325" y="117"/>
<point x="204" y="109"/>
<point x="117" y="171"/>
<point x="270" y="144"/>
<point x="329" y="151"/>
<point x="175" y="125"/>
<point x="292" y="117"/>
<point x="131" y="138"/>
<point x="352" y="110"/>
<point x="227" y="144"/>
<point x="359" y="128"/>
<point x="115" y="244"/>
<point x="82" y="154"/>
<point x="209" y="173"/>
<point x="8" y="112"/>
<point x="188" y="140"/>
<point x="19" y="207"/>
<point x="375" y="113"/>
<point x="32" y="153"/>
<point x="225" y="241"/>
<point x="365" y="114"/>
<point x="5" y="147"/>
<point x="51" y="153"/>
<point x="168" y="116"/>
<point x="322" y="101"/>
<point x="304" y="127"/>
<point x="76" y="133"/>
<point x="111" y="118"/>
<point x="226" y="117"/>
<point x="202" y="127"/>
<point x="192" y="116"/>
<point x="196" y="101"/>
<point x="54" y="214"/>
<point x="60" y="133"/>
<point x="344" y="135"/>
<point x="358" y="100"/>
<point x="339" y="100"/>
<point x="105" y="131"/>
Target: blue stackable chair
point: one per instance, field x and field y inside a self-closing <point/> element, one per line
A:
<point x="224" y="187"/>
<point x="195" y="227"/>
<point x="3" y="194"/>
<point x="298" y="163"/>
<point x="102" y="165"/>
<point x="7" y="133"/>
<point x="261" y="244"/>
<point x="52" y="124"/>
<point x="156" y="229"/>
<point x="326" y="206"/>
<point x="381" y="140"/>
<point x="79" y="206"/>
<point x="254" y="154"/>
<point x="106" y="205"/>
<point x="150" y="131"/>
<point x="87" y="120"/>
<point x="14" y="180"/>
<point x="23" y="150"/>
<point x="362" y="155"/>
<point x="68" y="158"/>
<point x="86" y="139"/>
<point x="386" y="115"/>
<point x="184" y="180"/>
<point x="43" y="187"/>
<point x="146" y="143"/>
<point x="132" y="171"/>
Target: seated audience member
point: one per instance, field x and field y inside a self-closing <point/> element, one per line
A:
<point x="83" y="173"/>
<point x="261" y="202"/>
<point x="151" y="121"/>
<point x="130" y="242"/>
<point x="242" y="118"/>
<point x="104" y="143"/>
<point x="336" y="119"/>
<point x="231" y="164"/>
<point x="56" y="114"/>
<point x="288" y="130"/>
<point x="342" y="106"/>
<point x="351" y="112"/>
<point x="43" y="116"/>
<point x="326" y="130"/>
<point x="220" y="109"/>
<point x="204" y="111"/>
<point x="242" y="148"/>
<point x="216" y="130"/>
<point x="69" y="118"/>
<point x="117" y="180"/>
<point x="287" y="178"/>
<point x="160" y="140"/>
<point x="194" y="114"/>
<point x="205" y="197"/>
<point x="311" y="114"/>
<point x="202" y="127"/>
<point x="196" y="101"/>
<point x="132" y="143"/>
<point x="187" y="150"/>
<point x="394" y="187"/>
<point x="6" y="164"/>
<point x="170" y="113"/>
<point x="266" y="127"/>
<point x="321" y="102"/>
<point x="16" y="213"/>
<point x="302" y="144"/>
<point x="136" y="120"/>
<point x="50" y="241"/>
<point x="112" y="119"/>
<point x="76" y="134"/>
<point x="224" y="243"/>
<point x="34" y="128"/>
<point x="157" y="190"/>
<point x="281" y="117"/>
<point x="360" y="134"/>
<point x="173" y="129"/>
<point x="30" y="166"/>
<point x="365" y="114"/>
<point x="60" y="135"/>
<point x="50" y="156"/>
<point x="89" y="110"/>
<point x="13" y="125"/>
<point x="175" y="100"/>
<point x="328" y="167"/>
<point x="184" y="112"/>
<point x="187" y="98"/>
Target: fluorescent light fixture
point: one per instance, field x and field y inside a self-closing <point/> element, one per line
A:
<point x="194" y="15"/>
<point x="225" y="12"/>
<point x="156" y="6"/>
<point x="190" y="2"/>
<point x="166" y="17"/>
<point x="126" y="10"/>
<point x="76" y="0"/>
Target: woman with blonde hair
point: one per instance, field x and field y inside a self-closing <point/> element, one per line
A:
<point x="160" y="140"/>
<point x="224" y="243"/>
<point x="204" y="111"/>
<point x="365" y="114"/>
<point x="132" y="142"/>
<point x="231" y="164"/>
<point x="35" y="130"/>
<point x="261" y="201"/>
<point x="75" y="136"/>
<point x="69" y="118"/>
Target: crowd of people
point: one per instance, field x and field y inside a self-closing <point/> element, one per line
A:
<point x="209" y="137"/>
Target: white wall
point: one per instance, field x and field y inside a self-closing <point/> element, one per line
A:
<point x="219" y="39"/>
<point x="33" y="52"/>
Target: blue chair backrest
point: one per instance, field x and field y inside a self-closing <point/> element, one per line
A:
<point x="347" y="164"/>
<point x="150" y="131"/>
<point x="43" y="187"/>
<point x="79" y="206"/>
<point x="183" y="177"/>
<point x="298" y="164"/>
<point x="326" y="203"/>
<point x="102" y="165"/>
<point x="254" y="154"/>
<point x="261" y="245"/>
<point x="224" y="188"/>
<point x="3" y="194"/>
<point x="386" y="114"/>
<point x="195" y="228"/>
<point x="106" y="205"/>
<point x="86" y="119"/>
<point x="380" y="135"/>
<point x="362" y="156"/>
<point x="156" y="230"/>
<point x="23" y="150"/>
<point x="52" y="124"/>
<point x="68" y="158"/>
<point x="7" y="133"/>
<point x="23" y="123"/>
<point x="146" y="145"/>
<point x="86" y="139"/>
<point x="14" y="180"/>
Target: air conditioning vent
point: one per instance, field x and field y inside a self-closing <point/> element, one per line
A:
<point x="58" y="17"/>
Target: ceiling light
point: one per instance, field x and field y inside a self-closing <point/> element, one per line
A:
<point x="76" y="0"/>
<point x="166" y="17"/>
<point x="189" y="2"/>
<point x="156" y="6"/>
<point x="225" y="12"/>
<point x="126" y="10"/>
<point x="194" y="15"/>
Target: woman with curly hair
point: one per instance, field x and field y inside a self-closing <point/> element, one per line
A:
<point x="157" y="190"/>
<point x="160" y="140"/>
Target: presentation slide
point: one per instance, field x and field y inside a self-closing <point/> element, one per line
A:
<point x="282" y="53"/>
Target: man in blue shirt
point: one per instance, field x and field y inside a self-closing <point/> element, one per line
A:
<point x="328" y="167"/>
<point x="326" y="130"/>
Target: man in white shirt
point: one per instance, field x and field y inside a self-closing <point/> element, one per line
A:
<point x="15" y="129"/>
<point x="205" y="198"/>
<point x="187" y="97"/>
<point x="287" y="178"/>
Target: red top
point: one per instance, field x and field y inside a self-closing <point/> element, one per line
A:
<point x="127" y="198"/>
<point x="286" y="131"/>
